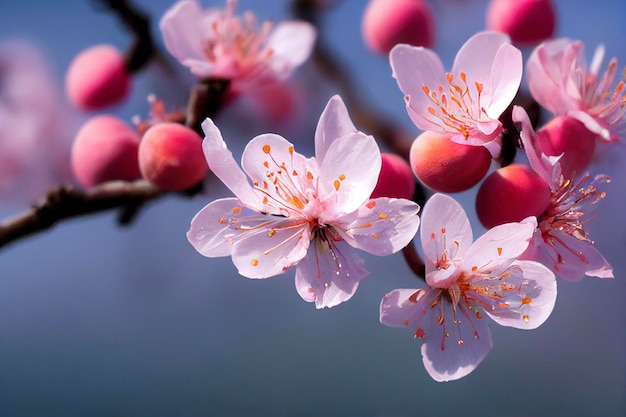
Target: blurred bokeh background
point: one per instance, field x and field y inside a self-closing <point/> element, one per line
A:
<point x="97" y="320"/>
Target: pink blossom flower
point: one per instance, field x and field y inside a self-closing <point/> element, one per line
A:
<point x="558" y="78"/>
<point x="560" y="241"/>
<point x="309" y="212"/>
<point x="214" y="43"/>
<point x="465" y="280"/>
<point x="466" y="102"/>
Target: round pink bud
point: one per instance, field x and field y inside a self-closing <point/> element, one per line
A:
<point x="389" y="22"/>
<point x="525" y="21"/>
<point x="447" y="166"/>
<point x="170" y="156"/>
<point x="396" y="178"/>
<point x="569" y="137"/>
<point x="105" y="149"/>
<point x="97" y="78"/>
<point x="511" y="194"/>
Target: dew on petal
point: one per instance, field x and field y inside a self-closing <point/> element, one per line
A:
<point x="525" y="318"/>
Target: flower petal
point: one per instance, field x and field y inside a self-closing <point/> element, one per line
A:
<point x="477" y="55"/>
<point x="400" y="308"/>
<point x="538" y="161"/>
<point x="278" y="173"/>
<point x="525" y="298"/>
<point x="214" y="229"/>
<point x="548" y="69"/>
<point x="223" y="165"/>
<point x="506" y="76"/>
<point x="291" y="43"/>
<point x="445" y="228"/>
<point x="270" y="248"/>
<point x="452" y="346"/>
<point x="498" y="247"/>
<point x="334" y="123"/>
<point x="413" y="68"/>
<point x="348" y="175"/>
<point x="330" y="272"/>
<point x="381" y="226"/>
<point x="572" y="258"/>
<point x="183" y="32"/>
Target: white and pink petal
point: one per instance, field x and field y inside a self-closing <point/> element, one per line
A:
<point x="330" y="272"/>
<point x="445" y="228"/>
<point x="381" y="226"/>
<point x="271" y="248"/>
<point x="333" y="124"/>
<point x="524" y="298"/>
<point x="348" y="175"/>
<point x="221" y="223"/>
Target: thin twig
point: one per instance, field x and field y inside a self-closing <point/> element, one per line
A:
<point x="68" y="202"/>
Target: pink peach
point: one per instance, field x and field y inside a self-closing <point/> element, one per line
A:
<point x="447" y="166"/>
<point x="170" y="156"/>
<point x="396" y="178"/>
<point x="389" y="22"/>
<point x="525" y="21"/>
<point x="105" y="149"/>
<point x="569" y="137"/>
<point x="511" y="194"/>
<point x="97" y="78"/>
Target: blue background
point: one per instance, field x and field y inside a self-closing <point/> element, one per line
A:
<point x="99" y="321"/>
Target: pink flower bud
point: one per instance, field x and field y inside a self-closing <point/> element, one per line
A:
<point x="525" y="21"/>
<point x="170" y="156"/>
<point x="511" y="194"/>
<point x="447" y="166"/>
<point x="105" y="149"/>
<point x="389" y="22"/>
<point x="396" y="179"/>
<point x="566" y="135"/>
<point x="97" y="78"/>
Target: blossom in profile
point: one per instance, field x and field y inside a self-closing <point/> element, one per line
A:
<point x="467" y="101"/>
<point x="215" y="43"/>
<point x="559" y="79"/>
<point x="309" y="212"/>
<point x="560" y="241"/>
<point x="466" y="282"/>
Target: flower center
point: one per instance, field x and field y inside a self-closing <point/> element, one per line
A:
<point x="457" y="107"/>
<point x="570" y="207"/>
<point x="599" y="99"/>
<point x="237" y="43"/>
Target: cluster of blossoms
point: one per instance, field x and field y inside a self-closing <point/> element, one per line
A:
<point x="311" y="213"/>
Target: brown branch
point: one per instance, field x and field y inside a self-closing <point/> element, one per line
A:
<point x="136" y="22"/>
<point x="68" y="202"/>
